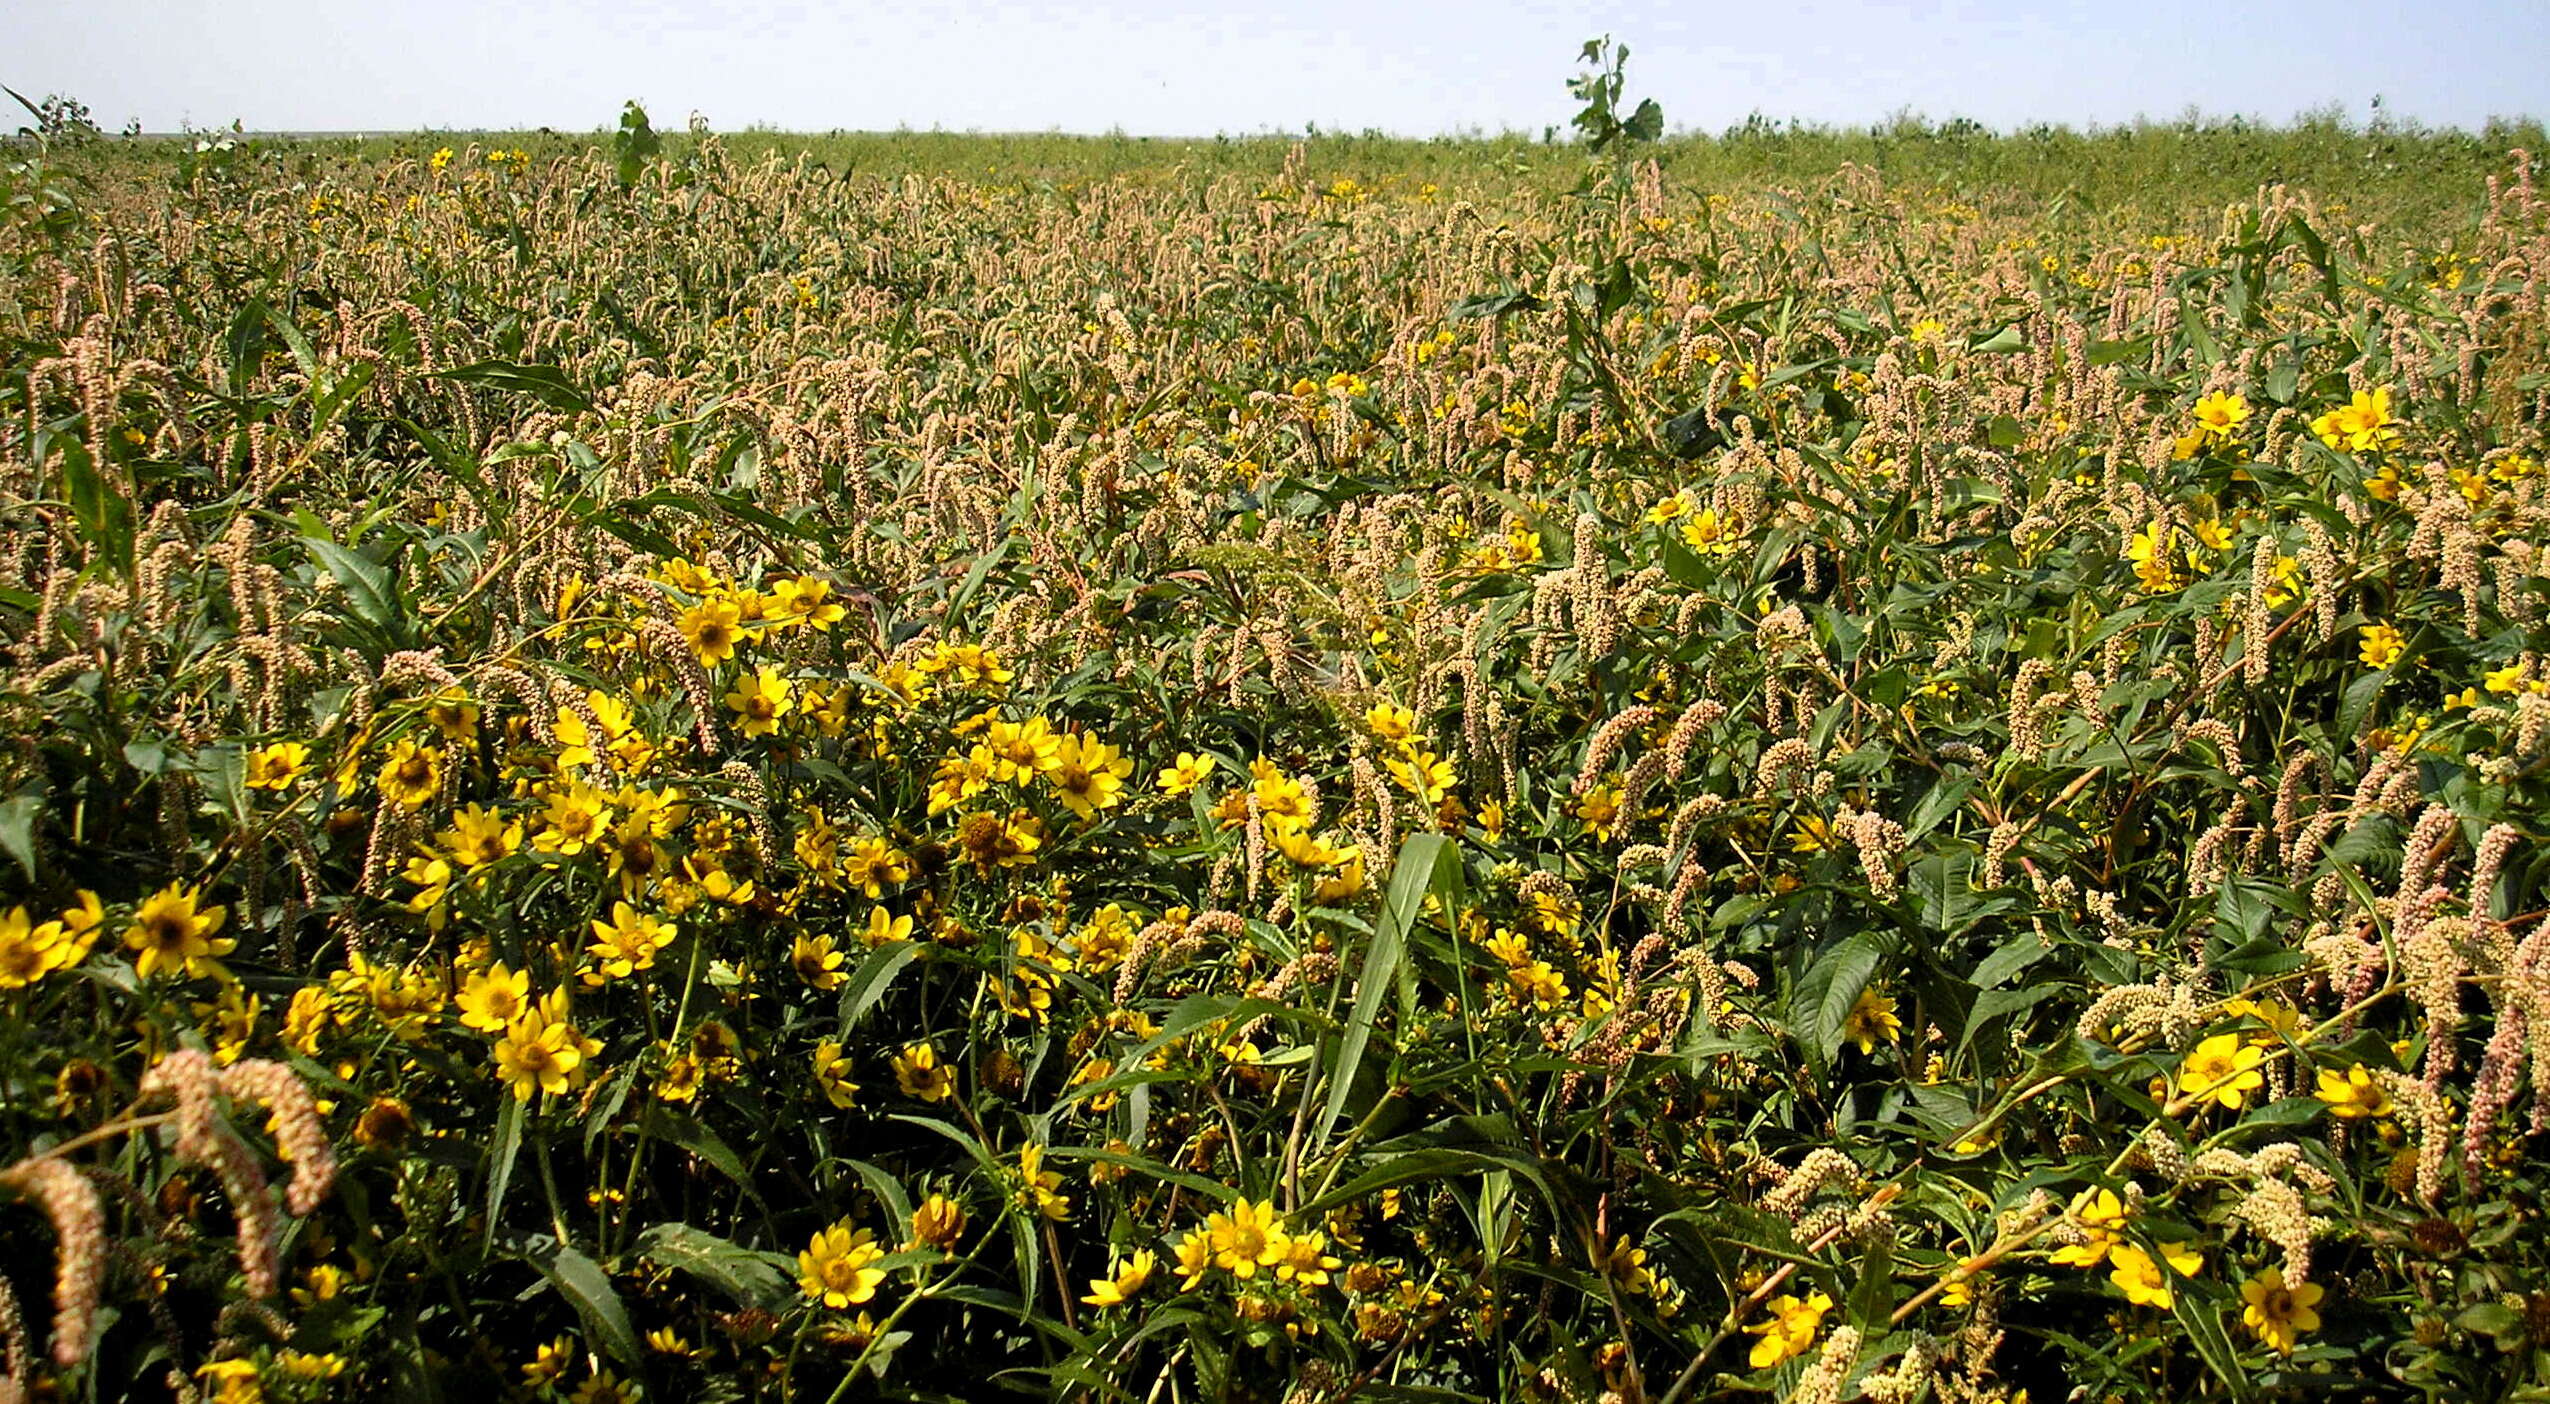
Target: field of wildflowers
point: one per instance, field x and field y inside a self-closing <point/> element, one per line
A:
<point x="651" y="772"/>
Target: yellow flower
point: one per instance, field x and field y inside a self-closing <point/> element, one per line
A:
<point x="884" y="928"/>
<point x="919" y="1073"/>
<point x="664" y="1340"/>
<point x="233" y="1381"/>
<point x="2154" y="555"/>
<point x="806" y="599"/>
<point x="681" y="1079"/>
<point x="2139" y="1276"/>
<point x="2221" y="415"/>
<point x="2223" y="1069"/>
<point x="2505" y="680"/>
<point x="550" y="1361"/>
<point x="1709" y="534"/>
<point x="816" y="962"/>
<point x="493" y="998"/>
<point x="1599" y="811"/>
<point x="628" y="942"/>
<point x="1872" y="1021"/>
<point x="2102" y="1215"/>
<point x="2381" y="646"/>
<point x="276" y="767"/>
<point x="1022" y="750"/>
<point x="1247" y="1238"/>
<point x="2362" y="424"/>
<point x="1039" y="1188"/>
<point x="873" y="865"/>
<point x="1343" y="883"/>
<point x="760" y="699"/>
<point x="938" y="1223"/>
<point x="1308" y="1261"/>
<point x="1089" y="773"/>
<point x="1424" y="774"/>
<point x="1390" y="721"/>
<point x="2277" y="1313"/>
<point x="411" y="775"/>
<point x="1129" y="1277"/>
<point x="1791" y="1329"/>
<point x="452" y="713"/>
<point x="170" y="932"/>
<point x="1281" y="800"/>
<point x="714" y="626"/>
<point x="538" y="1054"/>
<point x="578" y="816"/>
<point x="2353" y="1093"/>
<point x="29" y="952"/>
<point x="838" y="1266"/>
<point x="479" y="836"/>
<point x="832" y="1074"/>
<point x="992" y="840"/>
<point x="1189" y="772"/>
<point x="1195" y="1258"/>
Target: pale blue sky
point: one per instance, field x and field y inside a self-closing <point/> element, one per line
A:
<point x="1153" y="67"/>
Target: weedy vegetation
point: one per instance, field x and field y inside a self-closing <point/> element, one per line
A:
<point x="1892" y="765"/>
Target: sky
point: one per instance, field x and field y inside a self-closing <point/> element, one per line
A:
<point x="1156" y="68"/>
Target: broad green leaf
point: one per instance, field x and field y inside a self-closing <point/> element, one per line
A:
<point x="750" y="1276"/>
<point x="588" y="1289"/>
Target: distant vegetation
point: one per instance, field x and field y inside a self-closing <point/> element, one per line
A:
<point x="1877" y="765"/>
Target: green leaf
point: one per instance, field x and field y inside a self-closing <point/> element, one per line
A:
<point x="635" y="145"/>
<point x="547" y="384"/>
<point x="2109" y="353"/>
<point x="17" y="829"/>
<point x="1491" y="306"/>
<point x="2001" y="343"/>
<point x="1410" y="876"/>
<point x="366" y="584"/>
<point x="2203" y="1321"/>
<point x="1822" y="1003"/>
<point x="588" y="1289"/>
<point x="1645" y="124"/>
<point x="500" y="1159"/>
<point x="98" y="505"/>
<point x="868" y="983"/>
<point x="693" y="1135"/>
<point x="751" y="1277"/>
<point x="2014" y="955"/>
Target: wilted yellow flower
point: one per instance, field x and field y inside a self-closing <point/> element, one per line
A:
<point x="938" y="1222"/>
